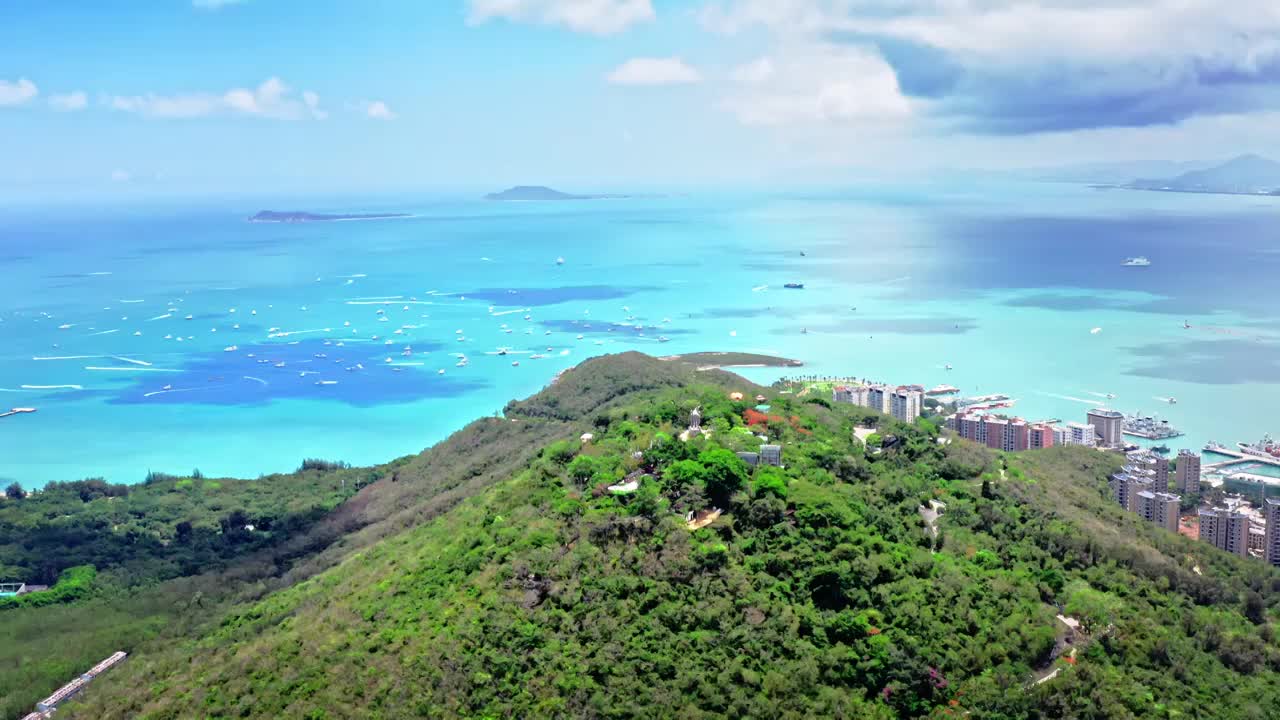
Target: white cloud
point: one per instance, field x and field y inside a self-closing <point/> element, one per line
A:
<point x="818" y="84"/>
<point x="1034" y="66"/>
<point x="378" y="110"/>
<point x="654" y="71"/>
<point x="271" y="99"/>
<point x="214" y="4"/>
<point x="598" y="17"/>
<point x="756" y="72"/>
<point x="17" y="92"/>
<point x="120" y="176"/>
<point x="68" y="102"/>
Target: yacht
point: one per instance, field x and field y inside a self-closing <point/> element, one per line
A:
<point x="1139" y="261"/>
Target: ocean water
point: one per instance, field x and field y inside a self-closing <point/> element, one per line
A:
<point x="1019" y="287"/>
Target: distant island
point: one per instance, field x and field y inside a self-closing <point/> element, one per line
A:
<point x="1243" y="175"/>
<point x="717" y="360"/>
<point x="541" y="193"/>
<point x="294" y="216"/>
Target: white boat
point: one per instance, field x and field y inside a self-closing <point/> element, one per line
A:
<point x="560" y="261"/>
<point x="1138" y="261"/>
<point x="230" y="348"/>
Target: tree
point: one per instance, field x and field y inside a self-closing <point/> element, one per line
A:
<point x="583" y="468"/>
<point x="726" y="472"/>
<point x="771" y="481"/>
<point x="14" y="491"/>
<point x="683" y="473"/>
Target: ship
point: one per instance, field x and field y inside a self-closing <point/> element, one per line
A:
<point x="1266" y="448"/>
<point x="1138" y="261"/>
<point x="794" y="286"/>
<point x="943" y="390"/>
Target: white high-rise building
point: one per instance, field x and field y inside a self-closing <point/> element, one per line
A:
<point x="905" y="402"/>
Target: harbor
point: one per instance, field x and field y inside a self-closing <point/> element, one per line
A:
<point x="1241" y="465"/>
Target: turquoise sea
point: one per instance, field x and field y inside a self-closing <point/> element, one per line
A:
<point x="1019" y="287"/>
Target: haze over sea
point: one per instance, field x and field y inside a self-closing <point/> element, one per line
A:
<point x="1004" y="282"/>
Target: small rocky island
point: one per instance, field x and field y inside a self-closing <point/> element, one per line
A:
<point x="294" y="216"/>
<point x="541" y="193"/>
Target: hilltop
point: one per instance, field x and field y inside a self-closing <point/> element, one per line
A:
<point x="586" y="555"/>
<point x="1246" y="174"/>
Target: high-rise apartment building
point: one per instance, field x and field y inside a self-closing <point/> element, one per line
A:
<point x="1108" y="426"/>
<point x="1186" y="473"/>
<point x="1226" y="530"/>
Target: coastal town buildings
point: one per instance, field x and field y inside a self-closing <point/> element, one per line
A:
<point x="1127" y="484"/>
<point x="878" y="398"/>
<point x="1186" y="472"/>
<point x="1160" y="508"/>
<point x="1075" y="433"/>
<point x="1108" y="425"/>
<point x="1225" y="529"/>
<point x="1040" y="436"/>
<point x="1271" y="544"/>
<point x="906" y="402"/>
<point x="1001" y="433"/>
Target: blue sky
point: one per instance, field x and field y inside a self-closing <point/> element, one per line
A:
<point x="197" y="96"/>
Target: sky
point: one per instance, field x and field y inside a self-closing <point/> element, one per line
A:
<point x="215" y="96"/>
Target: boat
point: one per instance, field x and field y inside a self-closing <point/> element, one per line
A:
<point x="1162" y="449"/>
<point x="947" y="366"/>
<point x="515" y="363"/>
<point x="663" y="338"/>
<point x="794" y="286"/>
<point x="1173" y="401"/>
<point x="560" y="261"/>
<point x="1138" y="261"/>
<point x="943" y="390"/>
<point x="1266" y="448"/>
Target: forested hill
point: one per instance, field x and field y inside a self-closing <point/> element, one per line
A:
<point x="568" y="560"/>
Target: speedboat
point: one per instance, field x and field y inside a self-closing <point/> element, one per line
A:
<point x="1138" y="261"/>
<point x="1173" y="401"/>
<point x="560" y="261"/>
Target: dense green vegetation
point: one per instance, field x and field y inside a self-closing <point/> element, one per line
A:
<point x="496" y="575"/>
<point x="166" y="527"/>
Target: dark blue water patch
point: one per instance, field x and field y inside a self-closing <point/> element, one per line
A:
<point x="614" y="329"/>
<point x="356" y="375"/>
<point x="1202" y="263"/>
<point x="892" y="326"/>
<point x="553" y="295"/>
<point x="729" y="313"/>
<point x="1209" y="362"/>
<point x="1069" y="302"/>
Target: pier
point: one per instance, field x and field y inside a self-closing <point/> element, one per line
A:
<point x="1237" y="458"/>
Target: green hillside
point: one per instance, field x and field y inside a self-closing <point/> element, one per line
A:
<point x="497" y="575"/>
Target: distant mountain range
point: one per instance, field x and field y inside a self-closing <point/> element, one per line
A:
<point x="295" y="216"/>
<point x="1115" y="173"/>
<point x="1243" y="175"/>
<point x="541" y="193"/>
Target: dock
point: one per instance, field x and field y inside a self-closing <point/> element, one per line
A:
<point x="17" y="411"/>
<point x="1237" y="458"/>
